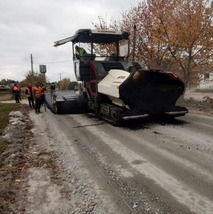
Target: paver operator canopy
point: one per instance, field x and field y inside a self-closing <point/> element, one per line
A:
<point x="96" y="38"/>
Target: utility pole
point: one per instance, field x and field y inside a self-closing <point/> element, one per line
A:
<point x="134" y="41"/>
<point x="31" y="60"/>
<point x="59" y="84"/>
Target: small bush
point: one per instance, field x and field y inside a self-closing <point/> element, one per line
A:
<point x="2" y="147"/>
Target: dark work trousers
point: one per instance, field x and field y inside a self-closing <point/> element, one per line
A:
<point x="16" y="95"/>
<point x="31" y="102"/>
<point x="42" y="99"/>
<point x="38" y="105"/>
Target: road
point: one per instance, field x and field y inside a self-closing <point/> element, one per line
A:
<point x="143" y="167"/>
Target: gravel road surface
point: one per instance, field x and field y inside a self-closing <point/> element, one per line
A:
<point x="143" y="167"/>
<point x="73" y="164"/>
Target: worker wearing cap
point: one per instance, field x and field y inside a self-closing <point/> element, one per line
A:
<point x="29" y="93"/>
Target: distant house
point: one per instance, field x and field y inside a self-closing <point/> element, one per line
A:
<point x="4" y="87"/>
<point x="207" y="81"/>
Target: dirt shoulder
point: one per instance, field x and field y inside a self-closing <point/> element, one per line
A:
<point x="31" y="180"/>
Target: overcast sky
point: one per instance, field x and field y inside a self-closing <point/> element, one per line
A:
<point x="31" y="27"/>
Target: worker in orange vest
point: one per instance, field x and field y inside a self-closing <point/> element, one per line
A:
<point x="43" y="94"/>
<point x="37" y="92"/>
<point x="29" y="93"/>
<point x="16" y="92"/>
<point x="19" y="92"/>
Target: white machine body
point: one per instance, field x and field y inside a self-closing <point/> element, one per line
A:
<point x="110" y="85"/>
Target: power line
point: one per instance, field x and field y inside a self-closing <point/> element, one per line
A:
<point x="10" y="60"/>
<point x="55" y="62"/>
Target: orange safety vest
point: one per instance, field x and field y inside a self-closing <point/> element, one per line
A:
<point x="43" y="90"/>
<point x="28" y="92"/>
<point x="37" y="92"/>
<point x="16" y="88"/>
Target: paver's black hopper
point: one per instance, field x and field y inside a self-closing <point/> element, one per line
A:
<point x="152" y="92"/>
<point x="66" y="102"/>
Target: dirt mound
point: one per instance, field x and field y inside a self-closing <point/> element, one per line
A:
<point x="16" y="137"/>
<point x="18" y="159"/>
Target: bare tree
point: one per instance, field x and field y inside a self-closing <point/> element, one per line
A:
<point x="64" y="84"/>
<point x="32" y="78"/>
<point x="173" y="34"/>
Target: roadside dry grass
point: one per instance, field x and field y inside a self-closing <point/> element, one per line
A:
<point x="5" y="109"/>
<point x="198" y="107"/>
<point x="204" y="90"/>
